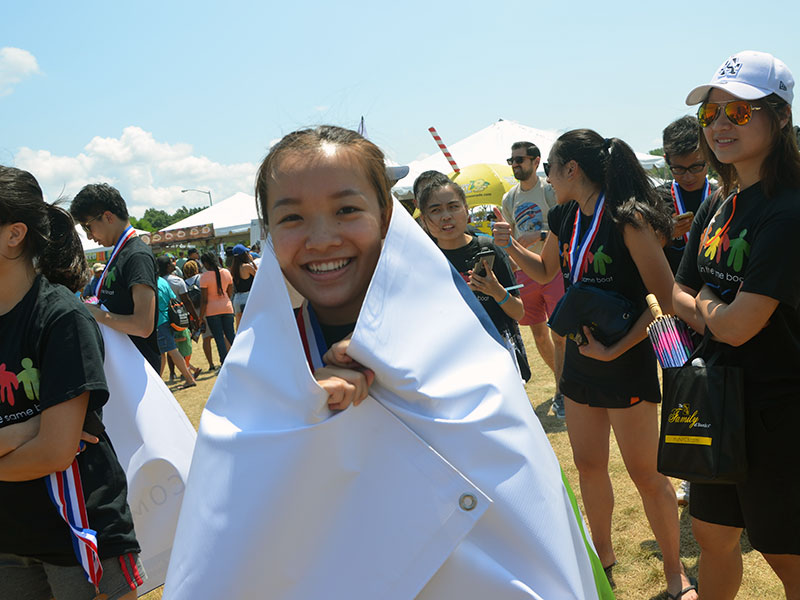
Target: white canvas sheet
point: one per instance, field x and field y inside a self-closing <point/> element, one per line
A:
<point x="287" y="500"/>
<point x="154" y="442"/>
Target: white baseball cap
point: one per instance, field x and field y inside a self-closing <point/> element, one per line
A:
<point x="749" y="75"/>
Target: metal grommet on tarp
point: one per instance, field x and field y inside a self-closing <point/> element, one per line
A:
<point x="467" y="502"/>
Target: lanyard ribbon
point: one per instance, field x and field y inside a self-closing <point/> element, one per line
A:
<point x="311" y="334"/>
<point x="579" y="249"/>
<point x="123" y="239"/>
<point x="717" y="237"/>
<point x="677" y="200"/>
<point x="66" y="493"/>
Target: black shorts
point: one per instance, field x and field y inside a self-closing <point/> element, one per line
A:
<point x="767" y="504"/>
<point x="592" y="396"/>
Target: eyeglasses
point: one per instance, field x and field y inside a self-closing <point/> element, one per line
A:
<point x="546" y="167"/>
<point x="87" y="226"/>
<point x="694" y="169"/>
<point x="738" y="112"/>
<point x="517" y="160"/>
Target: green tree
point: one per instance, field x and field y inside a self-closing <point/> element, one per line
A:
<point x="158" y="218"/>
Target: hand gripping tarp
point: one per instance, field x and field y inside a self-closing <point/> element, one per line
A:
<point x="441" y="484"/>
<point x="154" y="442"/>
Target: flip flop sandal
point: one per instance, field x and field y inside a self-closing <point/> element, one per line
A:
<point x="609" y="575"/>
<point x="684" y="591"/>
<point x="186" y="386"/>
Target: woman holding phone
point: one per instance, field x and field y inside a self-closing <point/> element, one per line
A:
<point x="483" y="265"/>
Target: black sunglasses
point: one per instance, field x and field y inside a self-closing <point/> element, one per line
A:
<point x="546" y="167"/>
<point x="694" y="169"/>
<point x="517" y="160"/>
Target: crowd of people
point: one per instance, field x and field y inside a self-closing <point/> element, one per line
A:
<point x="711" y="245"/>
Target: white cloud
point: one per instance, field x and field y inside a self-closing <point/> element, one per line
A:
<point x="15" y="65"/>
<point x="148" y="173"/>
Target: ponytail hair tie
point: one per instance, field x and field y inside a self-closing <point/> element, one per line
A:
<point x="607" y="144"/>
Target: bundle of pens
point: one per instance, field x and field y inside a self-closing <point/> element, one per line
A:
<point x="669" y="336"/>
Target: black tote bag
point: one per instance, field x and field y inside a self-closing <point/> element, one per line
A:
<point x="702" y="438"/>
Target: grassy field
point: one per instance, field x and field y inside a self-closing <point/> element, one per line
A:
<point x="638" y="573"/>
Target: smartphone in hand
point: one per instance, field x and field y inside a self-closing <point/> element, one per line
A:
<point x="486" y="254"/>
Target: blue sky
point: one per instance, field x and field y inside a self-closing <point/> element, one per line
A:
<point x="160" y="96"/>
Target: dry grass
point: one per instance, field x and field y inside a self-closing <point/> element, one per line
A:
<point x="638" y="573"/>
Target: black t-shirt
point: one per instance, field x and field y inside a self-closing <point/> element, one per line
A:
<point x="51" y="351"/>
<point x="691" y="202"/>
<point x="463" y="259"/>
<point x="758" y="254"/>
<point x="134" y="265"/>
<point x="610" y="267"/>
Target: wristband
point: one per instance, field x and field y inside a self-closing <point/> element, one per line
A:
<point x="504" y="300"/>
<point x="508" y="245"/>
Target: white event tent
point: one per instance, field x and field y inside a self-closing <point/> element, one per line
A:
<point x="230" y="216"/>
<point x="492" y="145"/>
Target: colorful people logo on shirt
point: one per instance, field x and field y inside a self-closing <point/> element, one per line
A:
<point x="599" y="260"/>
<point x="111" y="277"/>
<point x="8" y="384"/>
<point x="29" y="378"/>
<point x="739" y="249"/>
<point x="719" y="242"/>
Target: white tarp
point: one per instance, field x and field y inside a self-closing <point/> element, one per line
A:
<point x="154" y="442"/>
<point x="232" y="215"/>
<point x="492" y="145"/>
<point x="286" y="500"/>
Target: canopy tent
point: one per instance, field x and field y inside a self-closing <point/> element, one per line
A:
<point x="231" y="216"/>
<point x="492" y="144"/>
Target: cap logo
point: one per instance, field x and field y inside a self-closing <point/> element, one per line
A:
<point x="782" y="86"/>
<point x="730" y="68"/>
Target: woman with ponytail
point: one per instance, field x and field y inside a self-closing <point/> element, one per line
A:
<point x="608" y="232"/>
<point x="216" y="287"/>
<point x="52" y="390"/>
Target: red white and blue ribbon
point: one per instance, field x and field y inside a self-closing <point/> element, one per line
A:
<point x="579" y="249"/>
<point x="680" y="207"/>
<point x="126" y="235"/>
<point x="311" y="334"/>
<point x="66" y="492"/>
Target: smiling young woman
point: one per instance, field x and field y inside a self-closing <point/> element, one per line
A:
<point x="734" y="281"/>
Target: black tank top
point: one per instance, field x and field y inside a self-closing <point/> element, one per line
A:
<point x="240" y="286"/>
<point x="610" y="267"/>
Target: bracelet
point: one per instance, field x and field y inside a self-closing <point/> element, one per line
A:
<point x="504" y="300"/>
<point x="508" y="245"/>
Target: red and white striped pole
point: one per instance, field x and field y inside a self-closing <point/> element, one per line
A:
<point x="444" y="149"/>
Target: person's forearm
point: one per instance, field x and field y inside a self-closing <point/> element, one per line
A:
<point x="13" y="436"/>
<point x="513" y="307"/>
<point x="32" y="460"/>
<point x="635" y="335"/>
<point x="685" y="306"/>
<point x="138" y="325"/>
<point x="529" y="262"/>
<point x="737" y="322"/>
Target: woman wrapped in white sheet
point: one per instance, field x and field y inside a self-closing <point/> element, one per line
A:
<point x="414" y="468"/>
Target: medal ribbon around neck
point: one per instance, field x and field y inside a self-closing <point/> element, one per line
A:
<point x="579" y="249"/>
<point x="123" y="239"/>
<point x="66" y="493"/>
<point x="677" y="200"/>
<point x="311" y="334"/>
<point x="724" y="229"/>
